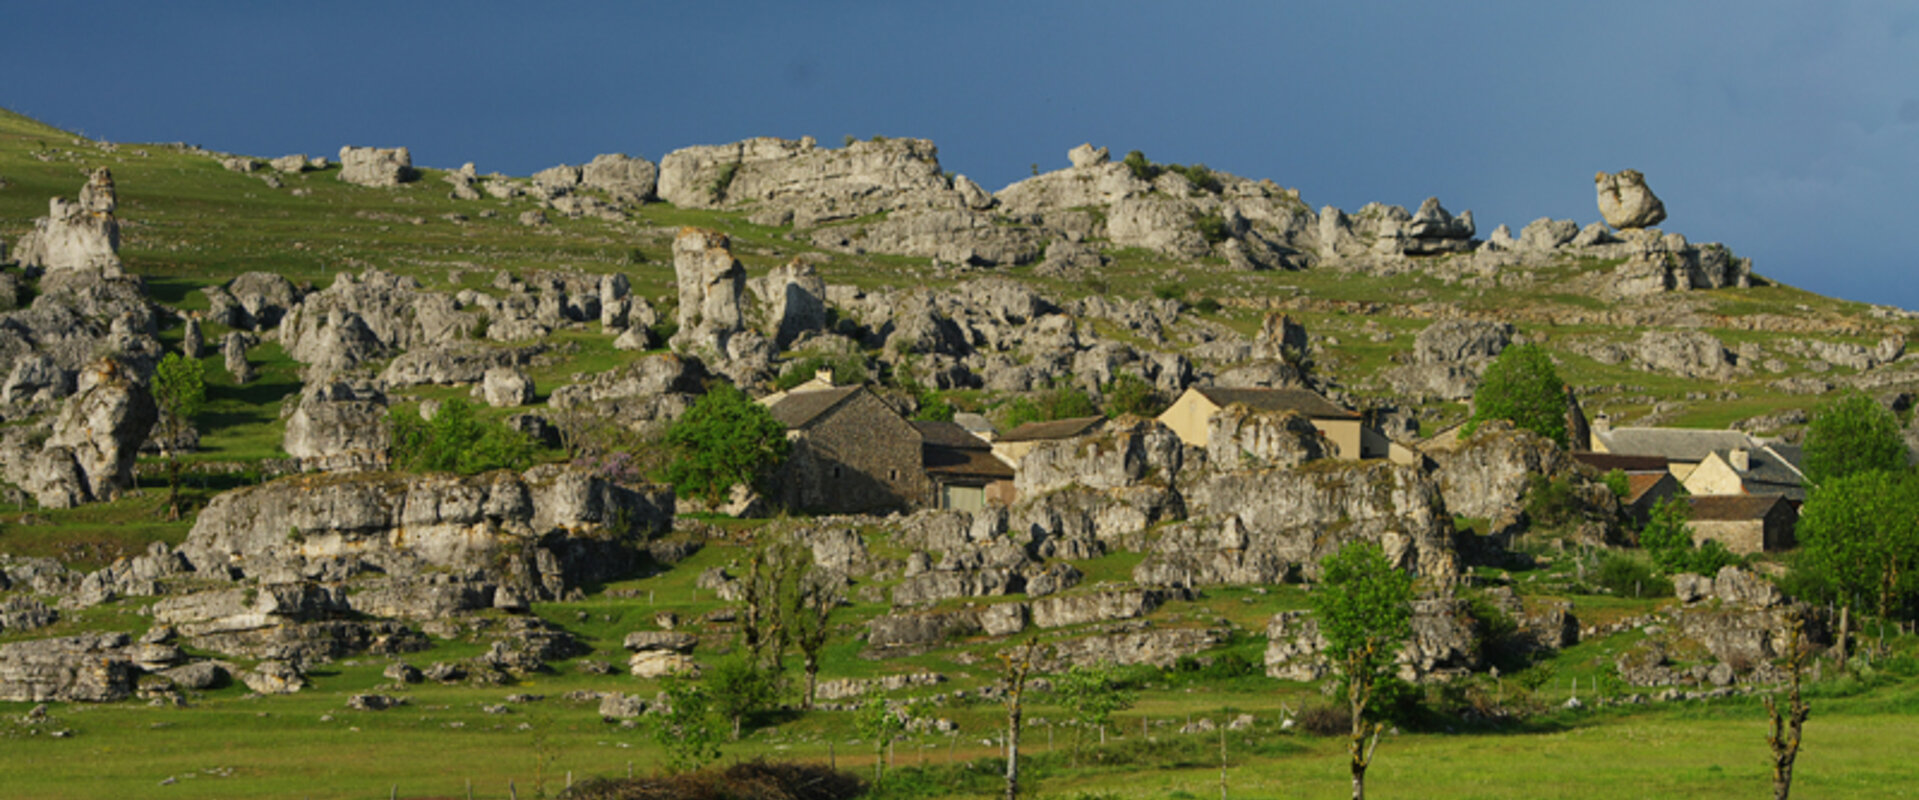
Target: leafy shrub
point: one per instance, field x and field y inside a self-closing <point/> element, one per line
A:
<point x="935" y="408"/>
<point x="1130" y="394"/>
<point x="1326" y="720"/>
<point x="1141" y="168"/>
<point x="1052" y="404"/>
<point x="848" y="369"/>
<point x="1625" y="576"/>
<point x="1213" y="228"/>
<point x="1616" y="481"/>
<point x="723" y="440"/>
<point x="1200" y="176"/>
<point x="724" y="179"/>
<point x="1169" y="291"/>
<point x="1522" y="386"/>
<point x="1206" y="305"/>
<point x="751" y="780"/>
<point x="1495" y="634"/>
<point x="1551" y="502"/>
<point x="1668" y="539"/>
<point x="455" y="440"/>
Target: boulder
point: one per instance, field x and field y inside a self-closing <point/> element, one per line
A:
<point x="1454" y="341"/>
<point x="89" y="668"/>
<point x="259" y="301"/>
<point x="1086" y="155"/>
<point x="506" y="387"/>
<point x="233" y="351"/>
<point x="615" y="705"/>
<point x="794" y="298"/>
<point x="1686" y="353"/>
<point x="1105" y="606"/>
<point x="100" y="428"/>
<point x="1545" y="234"/>
<point x="198" y="675"/>
<point x="340" y="424"/>
<point x="661" y="663"/>
<point x="667" y="641"/>
<point x="1161" y="648"/>
<point x="1626" y="202"/>
<point x="290" y="164"/>
<point x="626" y="179"/>
<point x="274" y="677"/>
<point x="80" y="235"/>
<point x="374" y="166"/>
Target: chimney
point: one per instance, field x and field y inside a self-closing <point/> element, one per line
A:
<point x="1740" y="458"/>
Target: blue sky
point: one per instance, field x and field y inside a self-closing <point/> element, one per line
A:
<point x="1788" y="131"/>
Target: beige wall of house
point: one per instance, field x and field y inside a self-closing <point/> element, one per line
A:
<point x="1189" y="414"/>
<point x="1712" y="476"/>
<point x="1012" y="452"/>
<point x="1187" y="417"/>
<point x="1345" y="436"/>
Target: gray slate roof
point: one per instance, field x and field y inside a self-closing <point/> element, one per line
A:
<point x="1057" y="429"/>
<point x="800" y="409"/>
<point x="1732" y="507"/>
<point x="1676" y="444"/>
<point x="1304" y="401"/>
<point x="949" y="434"/>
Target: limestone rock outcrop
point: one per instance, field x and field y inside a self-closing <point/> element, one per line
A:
<point x="807" y="183"/>
<point x="77" y="234"/>
<point x="1690" y="354"/>
<point x="625" y="178"/>
<point x="535" y="534"/>
<point x="1486" y="477"/>
<point x="373" y="315"/>
<point x="1264" y="525"/>
<point x="88" y="456"/>
<point x="340" y="424"/>
<point x="85" y="668"/>
<point x="375" y="166"/>
<point x="1626" y="202"/>
<point x="1240" y="437"/>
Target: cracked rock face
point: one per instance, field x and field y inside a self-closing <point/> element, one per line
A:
<point x="89" y="454"/>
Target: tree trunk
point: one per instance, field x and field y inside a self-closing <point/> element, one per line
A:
<point x="812" y="680"/>
<point x="173" y="487"/>
<point x="1012" y="750"/>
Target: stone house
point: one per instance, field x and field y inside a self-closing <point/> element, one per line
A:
<point x="851" y="453"/>
<point x="1765" y="469"/>
<point x="1351" y="439"/>
<point x="1745" y="524"/>
<point x="1644" y="490"/>
<point x="1013" y="445"/>
<point x="962" y="468"/>
<point x="1682" y="448"/>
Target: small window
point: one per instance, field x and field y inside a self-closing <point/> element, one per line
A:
<point x="836" y="473"/>
<point x="896" y="475"/>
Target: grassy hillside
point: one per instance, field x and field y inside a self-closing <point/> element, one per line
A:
<point x="189" y="223"/>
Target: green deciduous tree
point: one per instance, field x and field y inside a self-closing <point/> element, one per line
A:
<point x="1091" y="695"/>
<point x="1056" y="403"/>
<point x="180" y="390"/>
<point x="1523" y="387"/>
<point x="724" y="440"/>
<point x="880" y="724"/>
<point x="683" y="729"/>
<point x="1850" y="434"/>
<point x="738" y="687"/>
<point x="1859" y="538"/>
<point x="1364" y="608"/>
<point x="455" y="440"/>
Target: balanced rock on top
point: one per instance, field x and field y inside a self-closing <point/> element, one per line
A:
<point x="1626" y="202"/>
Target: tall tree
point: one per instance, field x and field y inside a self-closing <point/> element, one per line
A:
<point x="1364" y="608"/>
<point x="683" y="729"/>
<point x="1522" y="386"/>
<point x="816" y="593"/>
<point x="1859" y="538"/>
<point x="724" y="440"/>
<point x="1850" y="434"/>
<point x="180" y="390"/>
